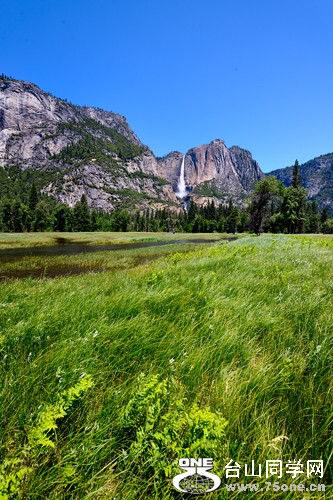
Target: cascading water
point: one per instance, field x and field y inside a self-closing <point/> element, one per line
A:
<point x="181" y="187"/>
<point x="182" y="191"/>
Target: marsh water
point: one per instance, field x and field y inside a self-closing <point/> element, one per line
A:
<point x="67" y="247"/>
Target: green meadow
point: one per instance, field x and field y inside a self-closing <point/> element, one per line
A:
<point x="17" y="240"/>
<point x="220" y="349"/>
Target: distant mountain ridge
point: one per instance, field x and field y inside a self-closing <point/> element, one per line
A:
<point x="317" y="178"/>
<point x="71" y="150"/>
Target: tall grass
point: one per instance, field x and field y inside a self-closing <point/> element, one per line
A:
<point x="17" y="240"/>
<point x="238" y="333"/>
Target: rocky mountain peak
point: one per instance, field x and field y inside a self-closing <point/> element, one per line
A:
<point x="31" y="115"/>
<point x="216" y="170"/>
<point x="92" y="151"/>
<point x="112" y="120"/>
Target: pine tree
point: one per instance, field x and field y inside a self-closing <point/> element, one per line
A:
<point x="324" y="215"/>
<point x="192" y="211"/>
<point x="82" y="215"/>
<point x="62" y="217"/>
<point x="17" y="217"/>
<point x="233" y="220"/>
<point x="42" y="216"/>
<point x="7" y="222"/>
<point x="312" y="217"/>
<point x="296" y="180"/>
<point x="295" y="202"/>
<point x="94" y="220"/>
<point x="33" y="197"/>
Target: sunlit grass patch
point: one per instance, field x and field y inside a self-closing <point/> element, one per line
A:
<point x="242" y="330"/>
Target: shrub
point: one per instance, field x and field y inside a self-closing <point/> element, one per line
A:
<point x="160" y="428"/>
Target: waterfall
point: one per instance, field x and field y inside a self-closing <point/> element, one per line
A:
<point x="181" y="187"/>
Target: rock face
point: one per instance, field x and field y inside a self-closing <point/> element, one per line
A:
<point x="112" y="120"/>
<point x="169" y="167"/>
<point x="30" y="119"/>
<point x="213" y="170"/>
<point x="231" y="171"/>
<point x="91" y="151"/>
<point x="85" y="150"/>
<point x="317" y="177"/>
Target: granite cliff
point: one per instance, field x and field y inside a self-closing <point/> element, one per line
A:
<point x="213" y="170"/>
<point x="79" y="149"/>
<point x="83" y="150"/>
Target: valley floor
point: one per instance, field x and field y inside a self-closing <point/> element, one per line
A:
<point x="17" y="240"/>
<point x="221" y="350"/>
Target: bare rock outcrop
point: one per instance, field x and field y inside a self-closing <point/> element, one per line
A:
<point x="92" y="151"/>
<point x="31" y="120"/>
<point x="84" y="149"/>
<point x="229" y="171"/>
<point x="213" y="170"/>
<point x="169" y="166"/>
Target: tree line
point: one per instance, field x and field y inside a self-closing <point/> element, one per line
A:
<point x="272" y="207"/>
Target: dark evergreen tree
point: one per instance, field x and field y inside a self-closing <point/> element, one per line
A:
<point x="33" y="197"/>
<point x="18" y="216"/>
<point x="63" y="219"/>
<point x="82" y="215"/>
<point x="121" y="220"/>
<point x="312" y="218"/>
<point x="192" y="211"/>
<point x="296" y="179"/>
<point x="233" y="220"/>
<point x="94" y="221"/>
<point x="324" y="215"/>
<point x="7" y="223"/>
<point x="43" y="216"/>
<point x="295" y="203"/>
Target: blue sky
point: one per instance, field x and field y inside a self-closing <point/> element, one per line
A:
<point x="257" y="73"/>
